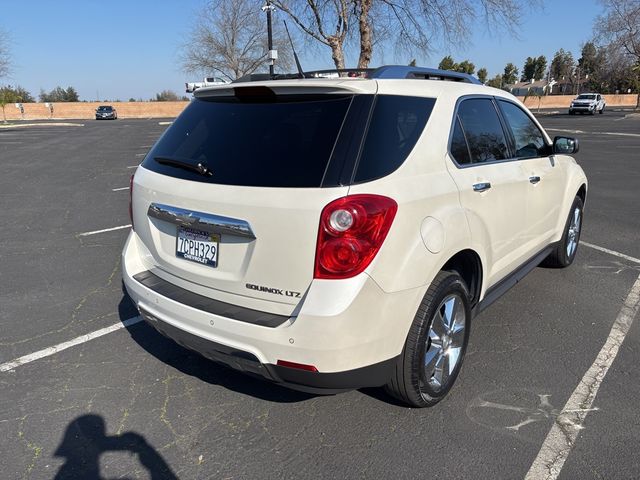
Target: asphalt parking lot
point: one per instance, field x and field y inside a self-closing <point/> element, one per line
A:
<point x="127" y="403"/>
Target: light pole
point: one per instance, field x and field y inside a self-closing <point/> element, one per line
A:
<point x="273" y="54"/>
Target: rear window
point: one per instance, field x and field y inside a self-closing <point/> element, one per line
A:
<point x="283" y="142"/>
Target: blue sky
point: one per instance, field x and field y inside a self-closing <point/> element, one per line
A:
<point x="119" y="49"/>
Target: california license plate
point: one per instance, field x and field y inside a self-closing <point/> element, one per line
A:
<point x="197" y="246"/>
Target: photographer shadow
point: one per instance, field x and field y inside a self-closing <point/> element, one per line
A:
<point x="85" y="440"/>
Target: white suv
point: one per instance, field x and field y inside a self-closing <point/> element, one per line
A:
<point x="587" y="103"/>
<point x="331" y="234"/>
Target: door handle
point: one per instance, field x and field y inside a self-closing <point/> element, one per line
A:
<point x="534" y="179"/>
<point x="481" y="187"/>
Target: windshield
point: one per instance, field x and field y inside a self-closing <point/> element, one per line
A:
<point x="586" y="97"/>
<point x="283" y="141"/>
<point x="105" y="109"/>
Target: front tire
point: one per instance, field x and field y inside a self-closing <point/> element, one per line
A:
<point x="436" y="344"/>
<point x="565" y="252"/>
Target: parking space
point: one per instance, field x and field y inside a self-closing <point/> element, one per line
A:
<point x="133" y="404"/>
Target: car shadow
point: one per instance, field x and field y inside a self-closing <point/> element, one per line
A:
<point x="193" y="364"/>
<point x="85" y="440"/>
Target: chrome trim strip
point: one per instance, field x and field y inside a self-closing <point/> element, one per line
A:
<point x="201" y="221"/>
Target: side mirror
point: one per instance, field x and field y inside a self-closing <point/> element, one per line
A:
<point x="565" y="145"/>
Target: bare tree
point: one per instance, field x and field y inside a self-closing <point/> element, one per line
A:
<point x="619" y="27"/>
<point x="229" y="38"/>
<point x="414" y="26"/>
<point x="5" y="56"/>
<point x="326" y="21"/>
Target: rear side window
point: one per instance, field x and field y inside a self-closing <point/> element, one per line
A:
<point x="459" y="149"/>
<point x="529" y="142"/>
<point x="396" y="125"/>
<point x="483" y="130"/>
<point x="272" y="142"/>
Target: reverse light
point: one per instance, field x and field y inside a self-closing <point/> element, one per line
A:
<point x="352" y="230"/>
<point x="131" y="201"/>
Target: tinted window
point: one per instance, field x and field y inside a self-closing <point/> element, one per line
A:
<point x="459" y="149"/>
<point x="270" y="142"/>
<point x="528" y="138"/>
<point x="396" y="124"/>
<point x="483" y="130"/>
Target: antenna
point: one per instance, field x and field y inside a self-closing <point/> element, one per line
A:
<point x="295" y="55"/>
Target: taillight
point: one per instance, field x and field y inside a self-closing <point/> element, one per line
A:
<point x="351" y="232"/>
<point x="131" y="201"/>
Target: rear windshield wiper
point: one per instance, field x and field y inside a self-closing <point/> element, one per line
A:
<point x="200" y="167"/>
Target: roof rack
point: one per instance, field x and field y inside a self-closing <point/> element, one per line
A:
<point x="403" y="71"/>
<point x="385" y="72"/>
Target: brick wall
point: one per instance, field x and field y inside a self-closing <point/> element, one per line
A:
<point x="86" y="110"/>
<point x="82" y="110"/>
<point x="563" y="101"/>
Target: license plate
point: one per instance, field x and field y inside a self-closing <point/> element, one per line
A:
<point x="197" y="246"/>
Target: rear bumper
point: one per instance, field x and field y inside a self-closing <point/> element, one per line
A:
<point x="351" y="332"/>
<point x="301" y="380"/>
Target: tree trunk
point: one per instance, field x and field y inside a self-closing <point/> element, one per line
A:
<point x="366" y="46"/>
<point x="337" y="54"/>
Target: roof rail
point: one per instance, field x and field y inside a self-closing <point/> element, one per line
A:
<point x="385" y="72"/>
<point x="404" y="71"/>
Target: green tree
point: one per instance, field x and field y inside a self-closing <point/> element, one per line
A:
<point x="529" y="69"/>
<point x="7" y="96"/>
<point x="59" y="94"/>
<point x="22" y="95"/>
<point x="482" y="75"/>
<point x="412" y="63"/>
<point x="562" y="64"/>
<point x="495" y="82"/>
<point x="534" y="68"/>
<point x="466" y="67"/>
<point x="510" y="75"/>
<point x="166" y="96"/>
<point x="447" y="63"/>
<point x="540" y="67"/>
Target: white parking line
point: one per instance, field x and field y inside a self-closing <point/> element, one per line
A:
<point x="140" y="154"/>
<point x="165" y="123"/>
<point x="563" y="434"/>
<point x="610" y="252"/>
<point x="119" y="189"/>
<point x="5" y="367"/>
<point x="133" y="166"/>
<point x="86" y="234"/>
<point x="594" y="133"/>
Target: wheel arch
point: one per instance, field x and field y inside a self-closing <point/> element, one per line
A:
<point x="582" y="193"/>
<point x="468" y="265"/>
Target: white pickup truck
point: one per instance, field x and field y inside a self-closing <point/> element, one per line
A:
<point x="587" y="103"/>
<point x="207" y="82"/>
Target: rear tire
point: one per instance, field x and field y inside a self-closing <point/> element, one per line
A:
<point x="602" y="110"/>
<point x="435" y="346"/>
<point x="565" y="252"/>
